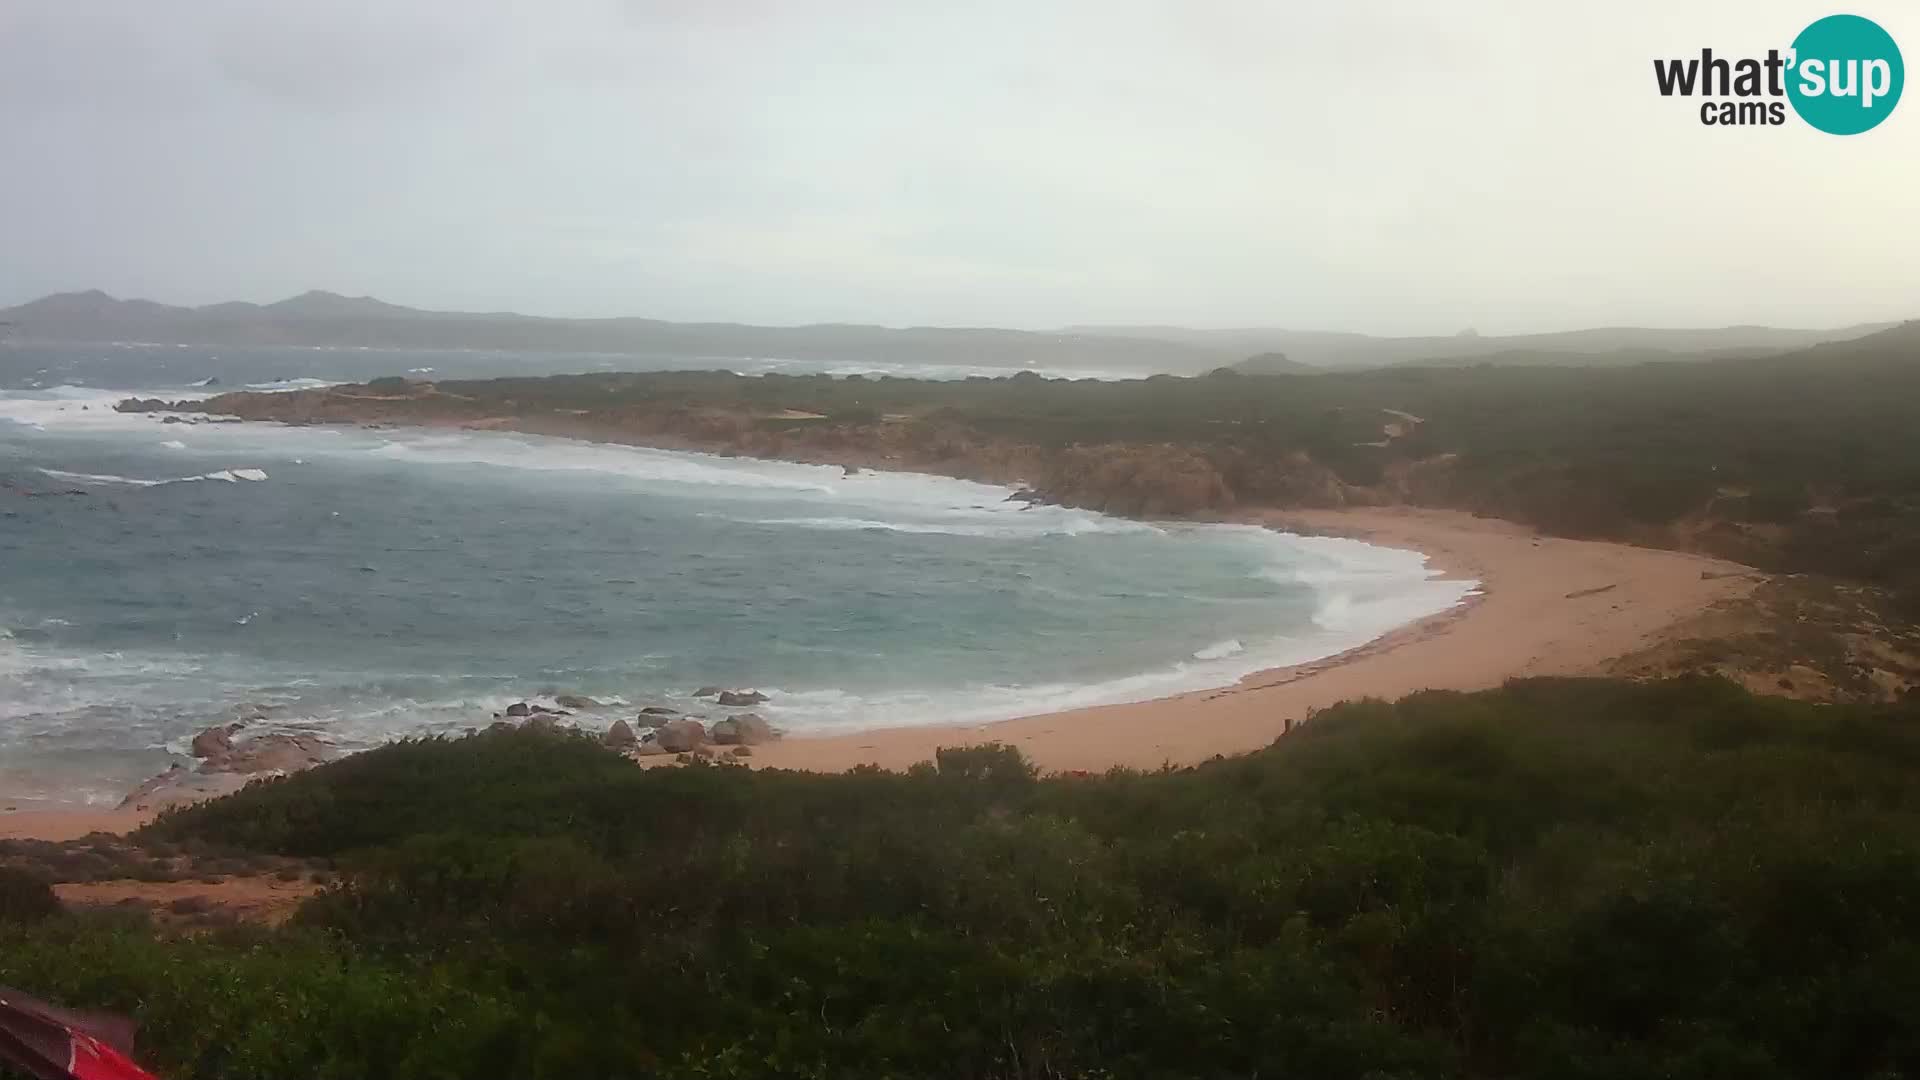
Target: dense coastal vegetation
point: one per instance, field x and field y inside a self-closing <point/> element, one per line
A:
<point x="1559" y="878"/>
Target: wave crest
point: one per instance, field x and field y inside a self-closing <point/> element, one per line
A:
<point x="229" y="476"/>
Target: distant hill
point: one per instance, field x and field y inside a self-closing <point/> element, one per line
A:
<point x="1598" y="347"/>
<point x="1615" y="358"/>
<point x="1896" y="347"/>
<point x="1272" y="363"/>
<point x="329" y="319"/>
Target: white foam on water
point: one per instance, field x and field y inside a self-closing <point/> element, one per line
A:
<point x="966" y="522"/>
<point x="636" y="464"/>
<point x="66" y="406"/>
<point x="89" y="408"/>
<point x="281" y="385"/>
<point x="42" y="684"/>
<point x="871" y="499"/>
<point x="875" y="499"/>
<point x="750" y="365"/>
<point x="1363" y="589"/>
<point x="92" y="478"/>
<point x="1360" y="593"/>
<point x="229" y="476"/>
<point x="1220" y="650"/>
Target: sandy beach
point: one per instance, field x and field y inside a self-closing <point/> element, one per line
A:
<point x="65" y="824"/>
<point x="1547" y="606"/>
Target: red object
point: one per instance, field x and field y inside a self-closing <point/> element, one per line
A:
<point x="50" y="1043"/>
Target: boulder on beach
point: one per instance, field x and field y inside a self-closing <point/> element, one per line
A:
<point x="576" y="701"/>
<point x="181" y="786"/>
<point x="737" y="698"/>
<point x="519" y="708"/>
<point x="680" y="736"/>
<point x="541" y="721"/>
<point x="746" y="729"/>
<point x="650" y="747"/>
<point x="619" y="736"/>
<point x="272" y="753"/>
<point x="659" y="710"/>
<point x="707" y="691"/>
<point x="139" y="796"/>
<point x="216" y="741"/>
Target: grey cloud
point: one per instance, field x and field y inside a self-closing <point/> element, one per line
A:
<point x="1372" y="165"/>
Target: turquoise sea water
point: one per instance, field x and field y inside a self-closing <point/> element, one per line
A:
<point x="156" y="578"/>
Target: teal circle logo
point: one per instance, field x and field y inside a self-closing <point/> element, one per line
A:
<point x="1846" y="74"/>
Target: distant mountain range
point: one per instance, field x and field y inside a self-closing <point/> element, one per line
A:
<point x="329" y="319"/>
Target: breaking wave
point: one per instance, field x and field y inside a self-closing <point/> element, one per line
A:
<point x="229" y="476"/>
<point x="1059" y="523"/>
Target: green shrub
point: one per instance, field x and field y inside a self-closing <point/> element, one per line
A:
<point x="25" y="897"/>
<point x="1560" y="877"/>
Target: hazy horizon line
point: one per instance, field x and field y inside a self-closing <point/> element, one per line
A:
<point x="1103" y="328"/>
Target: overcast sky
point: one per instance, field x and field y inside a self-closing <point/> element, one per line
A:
<point x="1383" y="167"/>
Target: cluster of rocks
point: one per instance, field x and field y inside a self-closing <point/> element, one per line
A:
<point x="657" y="730"/>
<point x="226" y="765"/>
<point x="690" y="737"/>
<point x="731" y="698"/>
<point x="275" y="752"/>
<point x="687" y="735"/>
<point x="150" y="405"/>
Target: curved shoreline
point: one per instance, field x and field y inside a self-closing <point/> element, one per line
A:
<point x="1545" y="606"/>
